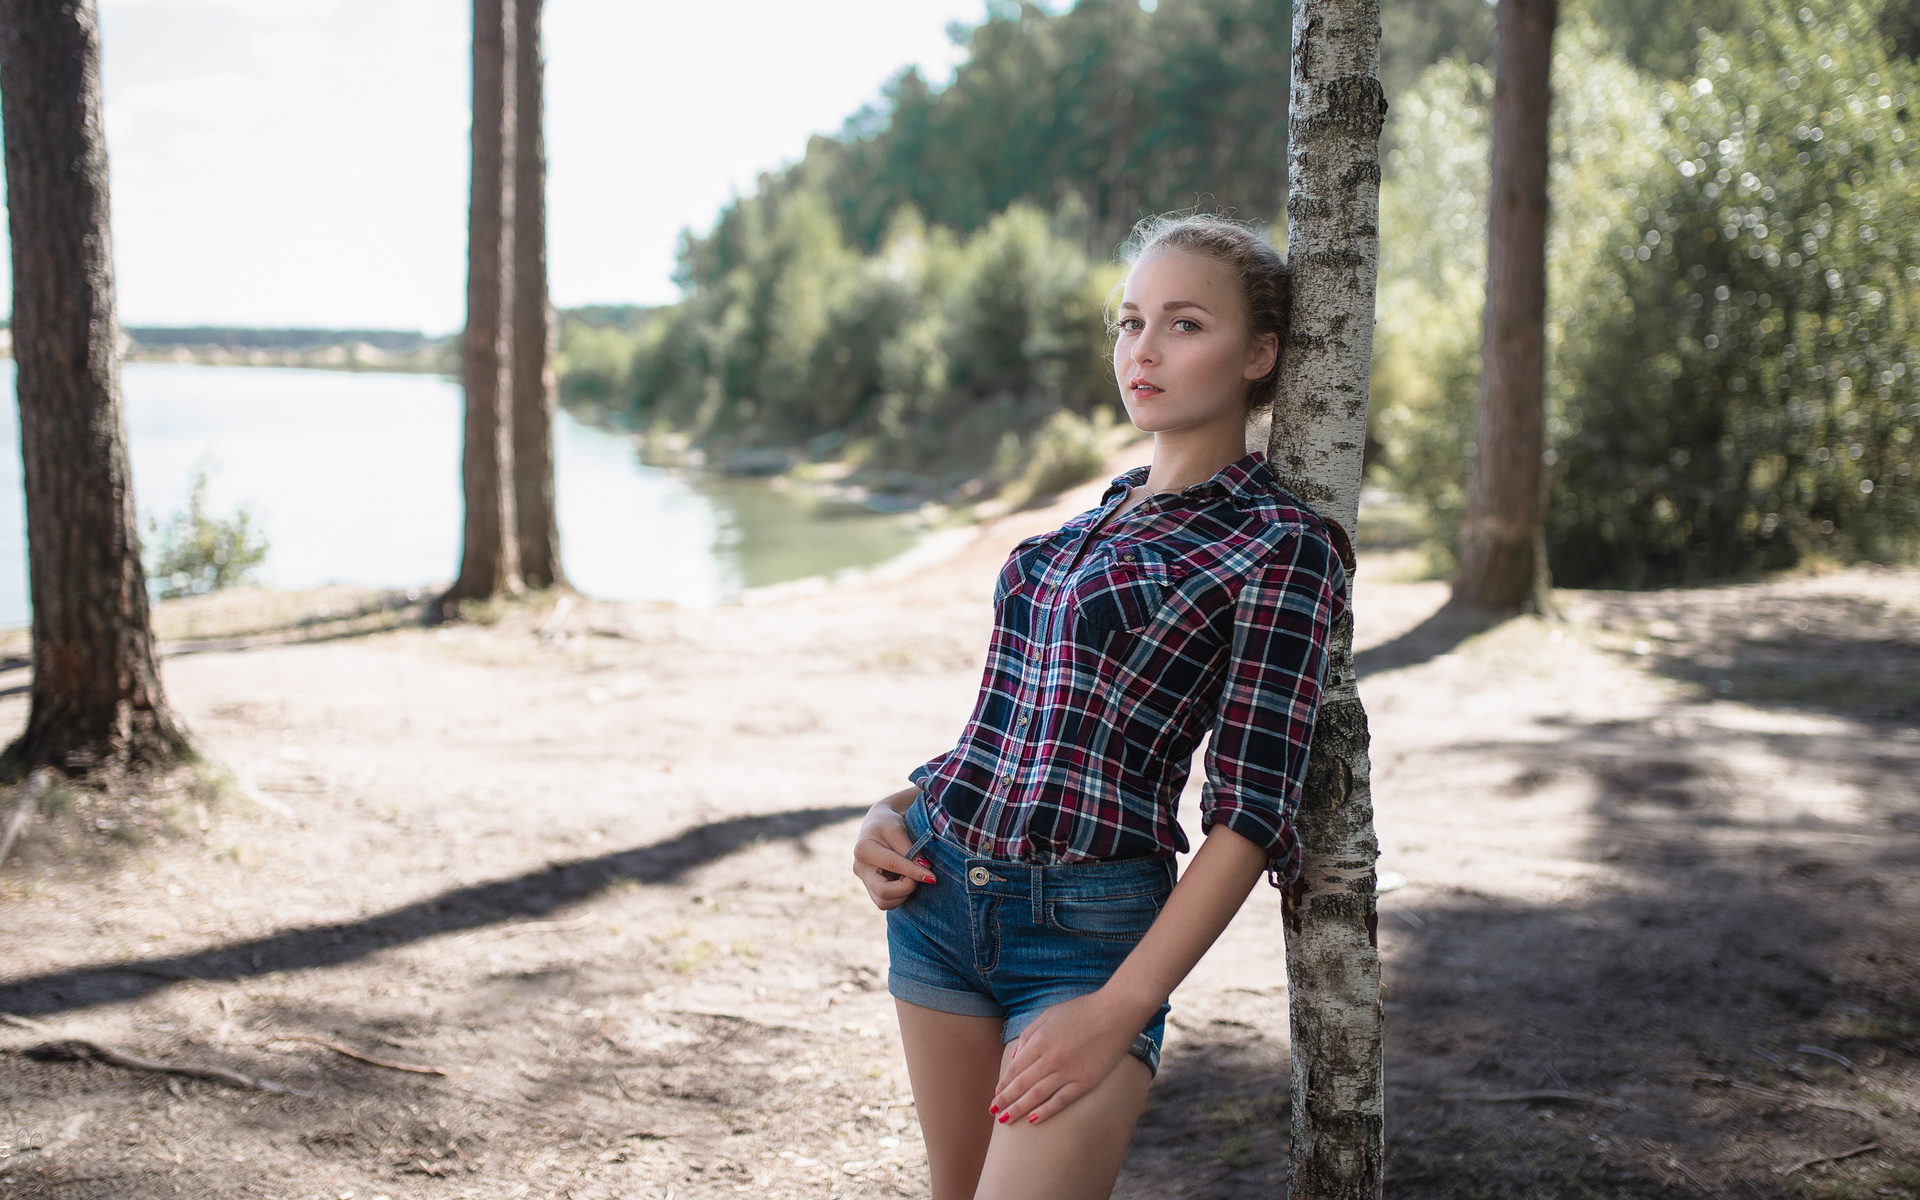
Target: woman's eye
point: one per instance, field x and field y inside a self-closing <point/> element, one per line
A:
<point x="1187" y="325"/>
<point x="1130" y="324"/>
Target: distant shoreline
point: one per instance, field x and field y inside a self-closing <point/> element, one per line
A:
<point x="401" y="351"/>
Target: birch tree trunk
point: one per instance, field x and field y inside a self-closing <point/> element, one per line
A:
<point x="489" y="550"/>
<point x="96" y="696"/>
<point x="1503" y="557"/>
<point x="1315" y="446"/>
<point x="535" y="388"/>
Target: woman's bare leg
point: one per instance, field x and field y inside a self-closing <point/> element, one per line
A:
<point x="954" y="1065"/>
<point x="1074" y="1154"/>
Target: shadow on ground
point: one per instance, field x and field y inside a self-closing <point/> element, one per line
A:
<point x="1431" y="638"/>
<point x="1845" y="653"/>
<point x="1743" y="999"/>
<point x="536" y="894"/>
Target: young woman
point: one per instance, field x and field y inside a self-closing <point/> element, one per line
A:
<point x="1034" y="925"/>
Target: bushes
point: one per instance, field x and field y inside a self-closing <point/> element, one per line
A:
<point x="921" y="355"/>
<point x="1731" y="323"/>
<point x="1753" y="402"/>
<point x="197" y="552"/>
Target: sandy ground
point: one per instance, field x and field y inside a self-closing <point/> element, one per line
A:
<point x="591" y="863"/>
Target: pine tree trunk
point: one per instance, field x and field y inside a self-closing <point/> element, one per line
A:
<point x="488" y="558"/>
<point x="96" y="696"/>
<point x="1319" y="430"/>
<point x="535" y="388"/>
<point x="1503" y="564"/>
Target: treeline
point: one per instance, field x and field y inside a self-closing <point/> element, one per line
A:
<point x="1731" y="338"/>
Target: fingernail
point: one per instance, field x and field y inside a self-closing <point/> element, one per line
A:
<point x="923" y="862"/>
<point x="1032" y="1117"/>
<point x="993" y="1109"/>
<point x="1005" y="1117"/>
<point x="928" y="879"/>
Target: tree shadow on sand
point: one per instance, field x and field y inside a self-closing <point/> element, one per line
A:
<point x="535" y="894"/>
<point x="1743" y="996"/>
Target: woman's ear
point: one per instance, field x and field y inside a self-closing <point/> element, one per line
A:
<point x="1266" y="352"/>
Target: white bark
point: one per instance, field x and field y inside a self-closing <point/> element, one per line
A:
<point x="1315" y="445"/>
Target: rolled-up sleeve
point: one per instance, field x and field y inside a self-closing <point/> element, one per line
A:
<point x="1256" y="762"/>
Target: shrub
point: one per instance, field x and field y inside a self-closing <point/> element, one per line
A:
<point x="196" y="552"/>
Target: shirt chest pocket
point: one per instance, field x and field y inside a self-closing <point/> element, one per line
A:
<point x="1020" y="567"/>
<point x="1123" y="590"/>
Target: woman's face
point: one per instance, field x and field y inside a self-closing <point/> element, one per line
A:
<point x="1184" y="357"/>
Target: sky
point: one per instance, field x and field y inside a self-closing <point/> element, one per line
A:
<point x="304" y="162"/>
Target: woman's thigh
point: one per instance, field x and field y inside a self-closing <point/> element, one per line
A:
<point x="953" y="1062"/>
<point x="1074" y="1154"/>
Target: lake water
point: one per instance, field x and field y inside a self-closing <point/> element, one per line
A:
<point x="355" y="478"/>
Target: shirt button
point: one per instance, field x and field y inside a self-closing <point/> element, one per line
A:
<point x="1129" y="558"/>
<point x="977" y="877"/>
<point x="1006" y="777"/>
<point x="1023" y="719"/>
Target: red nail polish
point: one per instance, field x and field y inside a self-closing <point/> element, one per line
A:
<point x="1032" y="1117"/>
<point x="923" y="862"/>
<point x="1005" y="1117"/>
<point x="993" y="1110"/>
<point x="928" y="879"/>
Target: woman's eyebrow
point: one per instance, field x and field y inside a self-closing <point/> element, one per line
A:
<point x="1169" y="306"/>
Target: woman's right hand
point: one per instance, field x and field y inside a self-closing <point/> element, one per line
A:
<point x="880" y="857"/>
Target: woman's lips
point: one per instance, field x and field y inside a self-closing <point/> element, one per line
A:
<point x="1141" y="387"/>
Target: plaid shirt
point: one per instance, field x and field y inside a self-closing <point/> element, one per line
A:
<point x="1113" y="653"/>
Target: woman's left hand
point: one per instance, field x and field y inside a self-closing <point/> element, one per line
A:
<point x="1066" y="1052"/>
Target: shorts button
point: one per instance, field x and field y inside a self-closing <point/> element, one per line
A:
<point x="977" y="877"/>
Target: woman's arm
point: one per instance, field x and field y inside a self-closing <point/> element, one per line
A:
<point x="1070" y="1048"/>
<point x="879" y="853"/>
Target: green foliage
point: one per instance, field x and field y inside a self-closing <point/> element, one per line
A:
<point x="196" y="552"/>
<point x="1730" y="317"/>
<point x="1124" y="111"/>
<point x="1065" y="450"/>
<point x="1661" y="37"/>
<point x="925" y="352"/>
<point x="1433" y="253"/>
<point x="1753" y="399"/>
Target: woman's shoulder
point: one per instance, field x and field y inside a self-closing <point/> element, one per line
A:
<point x="1282" y="517"/>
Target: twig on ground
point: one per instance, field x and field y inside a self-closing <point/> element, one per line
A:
<point x="1842" y="1059"/>
<point x="7" y="1018"/>
<point x="1869" y="1148"/>
<point x="515" y="930"/>
<point x="1524" y="1097"/>
<point x="544" y="927"/>
<point x="1756" y="1089"/>
<point x="1698" y="1182"/>
<point x="74" y="1049"/>
<point x="349" y="1052"/>
<point x="35" y="787"/>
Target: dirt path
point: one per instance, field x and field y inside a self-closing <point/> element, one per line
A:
<point x="591" y="863"/>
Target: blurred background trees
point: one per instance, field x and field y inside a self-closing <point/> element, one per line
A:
<point x="1729" y="333"/>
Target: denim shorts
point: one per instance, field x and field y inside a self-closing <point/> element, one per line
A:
<point x="1009" y="939"/>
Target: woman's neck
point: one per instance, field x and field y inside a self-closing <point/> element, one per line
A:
<point x="1185" y="457"/>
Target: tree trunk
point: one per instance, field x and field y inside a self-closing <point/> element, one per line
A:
<point x="488" y="558"/>
<point x="535" y="389"/>
<point x="1503" y="561"/>
<point x="1319" y="429"/>
<point x="96" y="696"/>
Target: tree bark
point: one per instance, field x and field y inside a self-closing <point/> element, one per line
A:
<point x="1503" y="560"/>
<point x="96" y="696"/>
<point x="535" y="388"/>
<point x="1315" y="446"/>
<point x="489" y="552"/>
